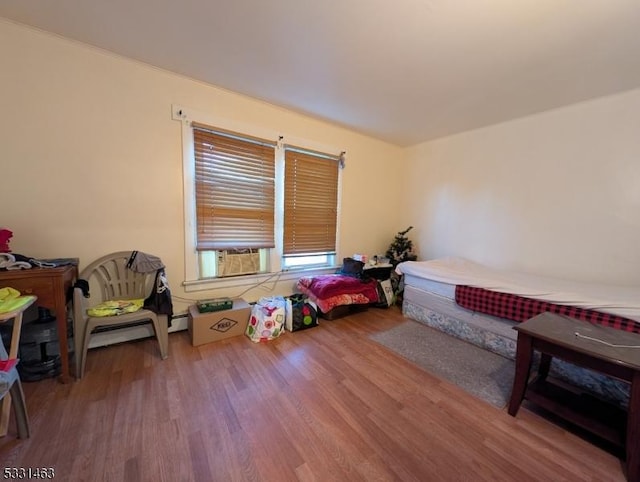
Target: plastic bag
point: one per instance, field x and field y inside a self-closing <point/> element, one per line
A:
<point x="267" y="319"/>
<point x="302" y="313"/>
<point x="386" y="296"/>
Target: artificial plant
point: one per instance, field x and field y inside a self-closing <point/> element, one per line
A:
<point x="401" y="249"/>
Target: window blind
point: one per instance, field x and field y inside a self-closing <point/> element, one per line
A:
<point x="235" y="190"/>
<point x="310" y="203"/>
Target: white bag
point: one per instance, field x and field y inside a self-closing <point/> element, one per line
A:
<point x="386" y="293"/>
<point x="267" y="319"/>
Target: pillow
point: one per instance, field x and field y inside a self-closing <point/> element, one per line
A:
<point x="115" y="307"/>
<point x="352" y="267"/>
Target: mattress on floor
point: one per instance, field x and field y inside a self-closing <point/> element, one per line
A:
<point x="448" y="309"/>
<point x="622" y="301"/>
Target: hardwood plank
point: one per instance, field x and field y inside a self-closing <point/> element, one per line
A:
<point x="322" y="404"/>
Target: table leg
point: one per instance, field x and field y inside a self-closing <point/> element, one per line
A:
<point x="633" y="430"/>
<point x="545" y="365"/>
<point x="524" y="355"/>
<point x="61" y="319"/>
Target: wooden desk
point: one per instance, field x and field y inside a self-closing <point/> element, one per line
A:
<point x="575" y="341"/>
<point x="50" y="285"/>
<point x="16" y="315"/>
<point x="378" y="271"/>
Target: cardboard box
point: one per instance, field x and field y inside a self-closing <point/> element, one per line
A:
<point x="218" y="325"/>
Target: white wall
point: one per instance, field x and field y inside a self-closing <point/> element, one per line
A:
<point x="557" y="193"/>
<point x="91" y="161"/>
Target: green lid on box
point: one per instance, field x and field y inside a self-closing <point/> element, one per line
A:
<point x="215" y="304"/>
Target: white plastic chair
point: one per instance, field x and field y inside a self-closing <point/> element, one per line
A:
<point x="109" y="279"/>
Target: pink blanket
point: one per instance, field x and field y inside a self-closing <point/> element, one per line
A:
<point x="331" y="290"/>
<point x="328" y="285"/>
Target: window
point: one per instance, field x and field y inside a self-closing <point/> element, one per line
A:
<point x="235" y="199"/>
<point x="235" y="191"/>
<point x="254" y="204"/>
<point x="310" y="208"/>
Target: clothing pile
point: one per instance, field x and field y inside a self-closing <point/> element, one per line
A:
<point x="11" y="300"/>
<point x="18" y="261"/>
<point x="9" y="261"/>
<point x="159" y="301"/>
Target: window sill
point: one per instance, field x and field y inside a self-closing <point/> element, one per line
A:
<point x="254" y="279"/>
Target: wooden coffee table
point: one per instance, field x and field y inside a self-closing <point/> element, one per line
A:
<point x="574" y="341"/>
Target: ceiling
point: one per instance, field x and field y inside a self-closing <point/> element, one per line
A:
<point x="404" y="71"/>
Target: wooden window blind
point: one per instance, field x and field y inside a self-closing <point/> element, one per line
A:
<point x="310" y="203"/>
<point x="235" y="190"/>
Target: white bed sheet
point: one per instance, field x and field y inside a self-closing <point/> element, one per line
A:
<point x="617" y="300"/>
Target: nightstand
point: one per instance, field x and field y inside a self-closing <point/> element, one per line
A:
<point x="378" y="271"/>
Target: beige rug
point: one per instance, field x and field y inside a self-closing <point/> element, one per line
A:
<point x="480" y="372"/>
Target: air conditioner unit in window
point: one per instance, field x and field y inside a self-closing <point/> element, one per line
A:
<point x="235" y="262"/>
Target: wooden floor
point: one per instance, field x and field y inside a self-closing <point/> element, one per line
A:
<point x="323" y="404"/>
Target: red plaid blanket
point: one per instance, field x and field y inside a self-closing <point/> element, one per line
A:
<point x="517" y="308"/>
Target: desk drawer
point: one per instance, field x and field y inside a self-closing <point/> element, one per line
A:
<point x="41" y="287"/>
